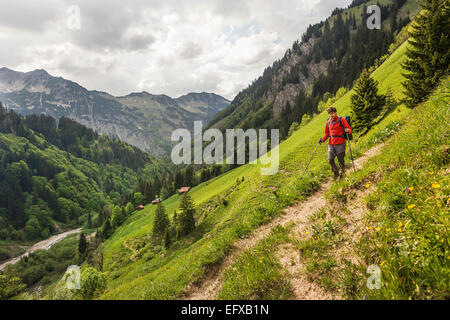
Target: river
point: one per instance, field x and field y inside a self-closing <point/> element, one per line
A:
<point x="42" y="245"/>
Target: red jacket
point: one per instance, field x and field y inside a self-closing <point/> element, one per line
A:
<point x="333" y="128"/>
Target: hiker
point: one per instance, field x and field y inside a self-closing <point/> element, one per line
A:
<point x="334" y="129"/>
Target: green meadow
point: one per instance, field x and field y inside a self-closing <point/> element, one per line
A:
<point x="230" y="206"/>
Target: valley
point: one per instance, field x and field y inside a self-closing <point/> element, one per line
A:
<point x="90" y="182"/>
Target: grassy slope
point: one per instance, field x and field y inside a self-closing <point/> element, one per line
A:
<point x="408" y="213"/>
<point x="405" y="222"/>
<point x="251" y="203"/>
<point x="389" y="76"/>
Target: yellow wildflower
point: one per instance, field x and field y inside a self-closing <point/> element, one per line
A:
<point x="370" y="228"/>
<point x="400" y="224"/>
<point x="378" y="229"/>
<point x="382" y="263"/>
<point x="388" y="229"/>
<point x="368" y="185"/>
<point x="411" y="188"/>
<point x="411" y="206"/>
<point x="436" y="185"/>
<point x="431" y="172"/>
<point x="400" y="230"/>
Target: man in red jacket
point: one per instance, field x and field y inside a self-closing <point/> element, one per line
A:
<point x="334" y="129"/>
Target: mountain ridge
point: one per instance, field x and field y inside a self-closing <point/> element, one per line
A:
<point x="330" y="55"/>
<point x="142" y="119"/>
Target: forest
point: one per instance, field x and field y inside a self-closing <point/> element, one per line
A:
<point x="59" y="175"/>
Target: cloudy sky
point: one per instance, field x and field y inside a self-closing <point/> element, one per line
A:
<point x="159" y="46"/>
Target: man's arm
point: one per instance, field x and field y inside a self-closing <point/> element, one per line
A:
<point x="327" y="133"/>
<point x="347" y="126"/>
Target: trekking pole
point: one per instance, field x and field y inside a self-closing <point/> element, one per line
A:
<point x="351" y="156"/>
<point x="312" y="156"/>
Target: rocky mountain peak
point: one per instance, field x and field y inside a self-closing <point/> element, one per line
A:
<point x="140" y="118"/>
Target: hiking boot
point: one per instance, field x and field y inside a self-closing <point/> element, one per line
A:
<point x="336" y="175"/>
<point x="341" y="174"/>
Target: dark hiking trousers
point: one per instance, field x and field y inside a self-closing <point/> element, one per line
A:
<point x="339" y="152"/>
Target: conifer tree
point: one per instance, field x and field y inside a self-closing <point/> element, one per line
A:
<point x="161" y="223"/>
<point x="106" y="229"/>
<point x="129" y="208"/>
<point x="366" y="103"/>
<point x="186" y="217"/>
<point x="167" y="240"/>
<point x="188" y="176"/>
<point x="89" y="220"/>
<point x="428" y="54"/>
<point x="82" y="244"/>
<point x="116" y="218"/>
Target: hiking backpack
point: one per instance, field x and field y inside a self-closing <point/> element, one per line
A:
<point x="346" y="136"/>
<point x="349" y="121"/>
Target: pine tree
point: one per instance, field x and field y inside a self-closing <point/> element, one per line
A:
<point x="129" y="208"/>
<point x="90" y="220"/>
<point x="428" y="55"/>
<point x="101" y="217"/>
<point x="366" y="103"/>
<point x="167" y="240"/>
<point x="116" y="218"/>
<point x="82" y="245"/>
<point x="186" y="217"/>
<point x="106" y="229"/>
<point x="188" y="176"/>
<point x="161" y="223"/>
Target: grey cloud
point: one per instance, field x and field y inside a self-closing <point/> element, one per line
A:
<point x="122" y="43"/>
<point x="325" y="7"/>
<point x="111" y="28"/>
<point x="190" y="50"/>
<point x="138" y="42"/>
<point x="258" y="56"/>
<point x="231" y="9"/>
<point x="28" y="15"/>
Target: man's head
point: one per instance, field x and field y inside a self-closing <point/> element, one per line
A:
<point x="332" y="112"/>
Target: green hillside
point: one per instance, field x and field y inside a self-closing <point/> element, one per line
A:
<point x="156" y="273"/>
<point x="58" y="177"/>
<point x="392" y="216"/>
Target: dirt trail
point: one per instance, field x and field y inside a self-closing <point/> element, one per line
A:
<point x="43" y="245"/>
<point x="298" y="214"/>
<point x="129" y="247"/>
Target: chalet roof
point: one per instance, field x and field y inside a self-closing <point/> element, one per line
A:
<point x="184" y="189"/>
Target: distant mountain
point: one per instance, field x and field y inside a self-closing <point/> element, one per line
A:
<point x="141" y="119"/>
<point x="206" y="104"/>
